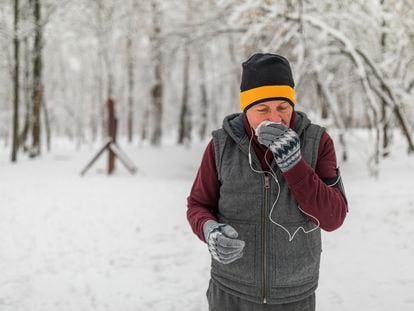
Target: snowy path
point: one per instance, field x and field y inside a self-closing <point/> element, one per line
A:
<point x="123" y="243"/>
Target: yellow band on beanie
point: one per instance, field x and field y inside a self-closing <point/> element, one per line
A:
<point x="262" y="93"/>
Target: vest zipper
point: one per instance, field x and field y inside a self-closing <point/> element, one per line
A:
<point x="264" y="236"/>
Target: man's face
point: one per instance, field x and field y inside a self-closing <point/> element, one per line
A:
<point x="278" y="111"/>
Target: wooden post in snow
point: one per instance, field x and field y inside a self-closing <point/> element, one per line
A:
<point x="112" y="127"/>
<point x="110" y="144"/>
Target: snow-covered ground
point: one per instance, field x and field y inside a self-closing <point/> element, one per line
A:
<point x="123" y="243"/>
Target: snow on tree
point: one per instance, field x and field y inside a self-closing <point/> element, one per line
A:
<point x="173" y="67"/>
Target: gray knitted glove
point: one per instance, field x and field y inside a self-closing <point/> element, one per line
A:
<point x="222" y="242"/>
<point x="283" y="142"/>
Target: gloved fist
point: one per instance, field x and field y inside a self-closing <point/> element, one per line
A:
<point x="222" y="242"/>
<point x="282" y="141"/>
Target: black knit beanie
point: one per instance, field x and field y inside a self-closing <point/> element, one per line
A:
<point x="266" y="77"/>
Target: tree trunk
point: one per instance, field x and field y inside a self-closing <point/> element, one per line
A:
<point x="100" y="105"/>
<point x="184" y="132"/>
<point x="104" y="68"/>
<point x="16" y="87"/>
<point x="27" y="96"/>
<point x="35" y="147"/>
<point x="156" y="93"/>
<point x="349" y="120"/>
<point x="322" y="99"/>
<point x="37" y="81"/>
<point x="385" y="130"/>
<point x="145" y="124"/>
<point x="47" y="124"/>
<point x="157" y="88"/>
<point x="330" y="102"/>
<point x="130" y="65"/>
<point x="384" y="111"/>
<point x="204" y="100"/>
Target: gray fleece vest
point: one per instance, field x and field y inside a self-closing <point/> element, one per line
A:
<point x="272" y="269"/>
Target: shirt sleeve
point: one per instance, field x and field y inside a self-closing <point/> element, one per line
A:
<point x="323" y="201"/>
<point x="203" y="199"/>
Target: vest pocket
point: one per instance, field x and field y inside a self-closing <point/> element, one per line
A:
<point x="297" y="262"/>
<point x="244" y="269"/>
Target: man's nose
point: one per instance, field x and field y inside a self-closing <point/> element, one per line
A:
<point x="275" y="117"/>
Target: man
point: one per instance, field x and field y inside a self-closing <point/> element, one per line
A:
<point x="267" y="183"/>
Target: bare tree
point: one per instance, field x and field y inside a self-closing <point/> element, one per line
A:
<point x="130" y="70"/>
<point x="384" y="106"/>
<point x="27" y="86"/>
<point x="184" y="130"/>
<point x="157" y="87"/>
<point x="37" y="96"/>
<point x="16" y="88"/>
<point x="203" y="92"/>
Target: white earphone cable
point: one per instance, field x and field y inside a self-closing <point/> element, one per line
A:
<point x="273" y="174"/>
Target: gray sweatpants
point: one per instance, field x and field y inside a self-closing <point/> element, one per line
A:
<point x="219" y="300"/>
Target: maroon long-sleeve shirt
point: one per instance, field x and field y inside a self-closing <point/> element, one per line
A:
<point x="328" y="204"/>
